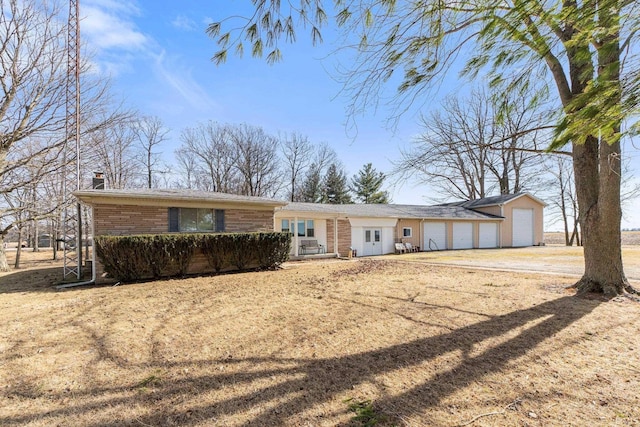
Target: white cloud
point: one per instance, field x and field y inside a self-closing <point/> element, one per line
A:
<point x="181" y="22"/>
<point x="122" y="48"/>
<point x="107" y="29"/>
<point x="181" y="81"/>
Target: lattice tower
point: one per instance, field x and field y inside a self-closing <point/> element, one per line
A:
<point x="72" y="228"/>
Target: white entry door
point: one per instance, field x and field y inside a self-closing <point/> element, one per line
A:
<point x="372" y="241"/>
<point x="522" y="227"/>
<point x="435" y="236"/>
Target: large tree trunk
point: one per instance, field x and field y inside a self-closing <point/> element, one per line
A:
<point x="597" y="176"/>
<point x="597" y="164"/>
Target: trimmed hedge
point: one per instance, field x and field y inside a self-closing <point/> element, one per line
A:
<point x="136" y="257"/>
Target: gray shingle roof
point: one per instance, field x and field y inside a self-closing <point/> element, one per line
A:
<point x="175" y="194"/>
<point x="388" y="211"/>
<point x="490" y="201"/>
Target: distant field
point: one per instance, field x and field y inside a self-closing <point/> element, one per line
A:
<point x="628" y="238"/>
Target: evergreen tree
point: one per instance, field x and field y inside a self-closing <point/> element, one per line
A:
<point x="335" y="190"/>
<point x="311" y="191"/>
<point x="366" y="185"/>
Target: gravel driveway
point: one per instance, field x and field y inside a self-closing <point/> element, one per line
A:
<point x="545" y="259"/>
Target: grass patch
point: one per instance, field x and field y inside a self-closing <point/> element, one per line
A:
<point x="365" y="413"/>
<point x="400" y="343"/>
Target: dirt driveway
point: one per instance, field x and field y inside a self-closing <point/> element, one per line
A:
<point x="546" y="259"/>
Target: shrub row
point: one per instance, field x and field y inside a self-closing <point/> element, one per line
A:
<point x="131" y="258"/>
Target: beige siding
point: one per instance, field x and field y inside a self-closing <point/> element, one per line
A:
<point x="414" y="224"/>
<point x="492" y="210"/>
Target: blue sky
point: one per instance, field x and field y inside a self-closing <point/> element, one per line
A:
<point x="158" y="55"/>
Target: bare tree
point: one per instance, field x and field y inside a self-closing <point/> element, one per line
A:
<point x="257" y="161"/>
<point x="213" y="154"/>
<point x="237" y="159"/>
<point x="26" y="204"/>
<point x="297" y="157"/>
<point x="114" y="155"/>
<point x="468" y="151"/>
<point x="186" y="165"/>
<point x="564" y="201"/>
<point x="32" y="82"/>
<point x="150" y="132"/>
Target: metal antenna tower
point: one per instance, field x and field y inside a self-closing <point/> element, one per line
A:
<point x="72" y="228"/>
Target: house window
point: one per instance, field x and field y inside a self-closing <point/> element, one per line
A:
<point x="303" y="227"/>
<point x="191" y="220"/>
<point x="406" y="232"/>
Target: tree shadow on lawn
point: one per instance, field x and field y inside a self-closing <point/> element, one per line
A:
<point x="311" y="382"/>
<point x="33" y="280"/>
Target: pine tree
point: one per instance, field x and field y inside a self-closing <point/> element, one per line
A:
<point x="335" y="190"/>
<point x="312" y="185"/>
<point x="366" y="185"/>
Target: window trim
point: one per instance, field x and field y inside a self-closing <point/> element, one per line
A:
<point x="404" y="234"/>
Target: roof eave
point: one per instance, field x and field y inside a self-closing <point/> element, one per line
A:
<point x="97" y="196"/>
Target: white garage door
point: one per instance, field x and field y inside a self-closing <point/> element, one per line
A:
<point x="488" y="235"/>
<point x="462" y="235"/>
<point x="435" y="236"/>
<point x="522" y="227"/>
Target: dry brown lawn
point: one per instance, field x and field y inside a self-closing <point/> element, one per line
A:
<point x="427" y="345"/>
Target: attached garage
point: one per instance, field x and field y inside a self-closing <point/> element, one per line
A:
<point x="435" y="236"/>
<point x="523" y="218"/>
<point x="522" y="227"/>
<point x="462" y="235"/>
<point x="487" y="235"/>
<point x="491" y="222"/>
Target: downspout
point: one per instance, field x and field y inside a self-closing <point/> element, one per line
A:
<point x="502" y="222"/>
<point x="93" y="260"/>
<point x="335" y="236"/>
<point x="295" y="235"/>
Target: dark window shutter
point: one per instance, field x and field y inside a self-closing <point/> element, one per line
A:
<point x="219" y="220"/>
<point x="174" y="219"/>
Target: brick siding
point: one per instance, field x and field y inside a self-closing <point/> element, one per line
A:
<point x="245" y="221"/>
<point x="122" y="220"/>
<point x="344" y="237"/>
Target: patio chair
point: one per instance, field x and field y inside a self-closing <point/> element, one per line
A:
<point x="400" y="248"/>
<point x="410" y="247"/>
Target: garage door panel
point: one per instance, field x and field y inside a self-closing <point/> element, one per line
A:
<point x="435" y="236"/>
<point x="522" y="227"/>
<point x="462" y="235"/>
<point x="488" y="235"/>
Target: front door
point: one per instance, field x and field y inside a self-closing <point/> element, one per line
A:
<point x="372" y="241"/>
